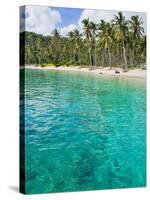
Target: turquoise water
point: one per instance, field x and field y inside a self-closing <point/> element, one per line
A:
<point x="84" y="132"/>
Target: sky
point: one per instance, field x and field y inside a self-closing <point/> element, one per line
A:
<point x="43" y="19"/>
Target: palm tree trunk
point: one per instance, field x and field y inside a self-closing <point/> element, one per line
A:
<point x="95" y="57"/>
<point x="125" y="58"/>
<point x="74" y="56"/>
<point x="109" y="56"/>
<point x="133" y="56"/>
<point x="103" y="58"/>
<point x="90" y="58"/>
<point x="79" y="57"/>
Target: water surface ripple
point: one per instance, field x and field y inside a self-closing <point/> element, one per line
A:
<point x="83" y="132"/>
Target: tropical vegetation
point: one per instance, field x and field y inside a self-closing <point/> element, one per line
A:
<point x="119" y="43"/>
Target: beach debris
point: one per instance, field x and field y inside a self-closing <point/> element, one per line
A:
<point x="117" y="71"/>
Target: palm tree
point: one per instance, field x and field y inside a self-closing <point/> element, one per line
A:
<point x="142" y="50"/>
<point x="117" y="42"/>
<point x="56" y="43"/>
<point x="78" y="41"/>
<point x="105" y="39"/>
<point x="72" y="44"/>
<point x="121" y="28"/>
<point x="101" y="27"/>
<point x="136" y="26"/>
<point x="94" y="34"/>
<point x="88" y="37"/>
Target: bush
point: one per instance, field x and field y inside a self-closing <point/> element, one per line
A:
<point x="43" y="65"/>
<point x="68" y="63"/>
<point x="47" y="65"/>
<point x="57" y="64"/>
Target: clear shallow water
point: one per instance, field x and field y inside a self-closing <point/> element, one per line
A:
<point x="84" y="132"/>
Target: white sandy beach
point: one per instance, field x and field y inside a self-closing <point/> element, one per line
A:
<point x="135" y="73"/>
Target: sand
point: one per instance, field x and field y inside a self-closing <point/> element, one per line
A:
<point x="135" y="73"/>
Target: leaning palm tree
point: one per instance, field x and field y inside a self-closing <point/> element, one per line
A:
<point x="136" y="26"/>
<point x="121" y="28"/>
<point x="88" y="38"/>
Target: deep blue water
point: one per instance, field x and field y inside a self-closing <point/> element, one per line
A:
<point x="84" y="132"/>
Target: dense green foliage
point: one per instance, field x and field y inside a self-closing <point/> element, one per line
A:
<point x="119" y="43"/>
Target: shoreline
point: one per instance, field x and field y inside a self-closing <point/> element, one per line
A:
<point x="133" y="73"/>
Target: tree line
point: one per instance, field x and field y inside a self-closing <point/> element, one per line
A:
<point x="119" y="43"/>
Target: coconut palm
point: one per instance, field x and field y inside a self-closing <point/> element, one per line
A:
<point x="103" y="44"/>
<point x="88" y="38"/>
<point x="136" y="26"/>
<point x="56" y="44"/>
<point x="72" y="46"/>
<point x="94" y="35"/>
<point x="78" y="43"/>
<point x="101" y="26"/>
<point x="105" y="39"/>
<point x="121" y="29"/>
